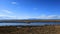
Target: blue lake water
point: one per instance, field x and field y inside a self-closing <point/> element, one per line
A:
<point x="36" y="23"/>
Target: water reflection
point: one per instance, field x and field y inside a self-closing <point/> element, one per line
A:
<point x="36" y="23"/>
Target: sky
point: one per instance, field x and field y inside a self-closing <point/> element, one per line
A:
<point x="25" y="9"/>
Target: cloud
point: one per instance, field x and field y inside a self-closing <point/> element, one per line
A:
<point x="52" y="16"/>
<point x="13" y="2"/>
<point x="4" y="16"/>
<point x="7" y="11"/>
<point x="9" y="15"/>
<point x="27" y="17"/>
<point x="48" y="17"/>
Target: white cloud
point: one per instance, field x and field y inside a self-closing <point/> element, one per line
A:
<point x="7" y="17"/>
<point x="7" y="14"/>
<point x="4" y="16"/>
<point x="38" y="17"/>
<point x="52" y="16"/>
<point x="48" y="17"/>
<point x="7" y="11"/>
<point x="13" y="16"/>
<point x="13" y="2"/>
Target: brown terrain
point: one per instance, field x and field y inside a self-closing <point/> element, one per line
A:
<point x="28" y="21"/>
<point x="46" y="29"/>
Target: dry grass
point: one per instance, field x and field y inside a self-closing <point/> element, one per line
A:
<point x="30" y="30"/>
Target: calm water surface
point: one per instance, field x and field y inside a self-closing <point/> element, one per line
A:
<point x="36" y="23"/>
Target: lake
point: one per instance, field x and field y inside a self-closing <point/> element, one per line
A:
<point x="34" y="24"/>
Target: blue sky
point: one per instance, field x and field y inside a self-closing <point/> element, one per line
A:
<point x="24" y="9"/>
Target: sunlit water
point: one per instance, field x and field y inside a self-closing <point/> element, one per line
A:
<point x="36" y="23"/>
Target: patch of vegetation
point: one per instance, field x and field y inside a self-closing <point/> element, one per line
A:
<point x="46" y="29"/>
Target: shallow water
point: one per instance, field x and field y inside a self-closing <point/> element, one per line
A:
<point x="36" y="23"/>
